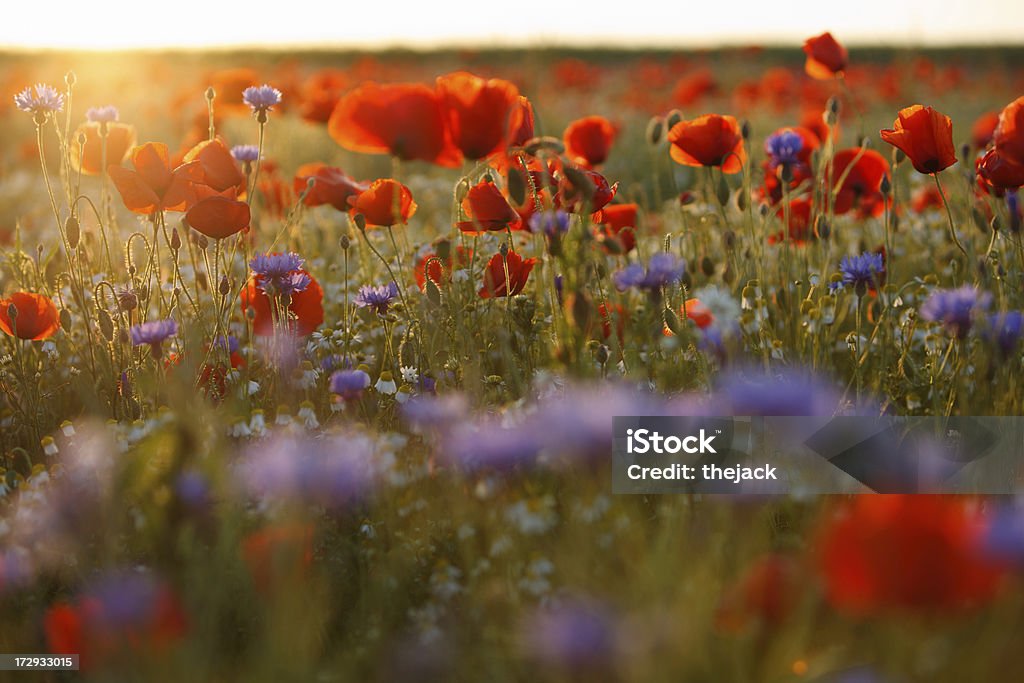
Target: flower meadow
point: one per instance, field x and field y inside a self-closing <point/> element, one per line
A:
<point x="309" y="363"/>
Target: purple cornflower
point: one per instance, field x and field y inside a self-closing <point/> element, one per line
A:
<point x="245" y="153"/>
<point x="349" y="384"/>
<point x="576" y="634"/>
<point x="784" y="148"/>
<point x="377" y="298"/>
<point x="229" y="343"/>
<point x="332" y="472"/>
<point x="789" y="393"/>
<point x="489" y="445"/>
<point x="1004" y="329"/>
<point x="863" y="271"/>
<point x="551" y="223"/>
<point x="107" y="114"/>
<point x="663" y="269"/>
<point x="276" y="273"/>
<point x="955" y="308"/>
<point x="126" y="599"/>
<point x="42" y="99"/>
<point x="1014" y="209"/>
<point x="154" y="333"/>
<point x="261" y="99"/>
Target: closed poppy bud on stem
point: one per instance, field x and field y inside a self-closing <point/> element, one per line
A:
<point x="65" y="318"/>
<point x="175" y="240"/>
<point x="225" y="286"/>
<point x="210" y="94"/>
<point x="73" y="231"/>
<point x="344" y="242"/>
<point x="360" y="221"/>
<point x="106" y="325"/>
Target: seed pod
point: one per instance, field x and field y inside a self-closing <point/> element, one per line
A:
<point x="225" y="286"/>
<point x="344" y="242"/>
<point x="175" y="240"/>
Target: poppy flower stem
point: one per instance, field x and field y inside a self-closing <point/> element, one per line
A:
<point x="949" y="215"/>
<point x="259" y="159"/>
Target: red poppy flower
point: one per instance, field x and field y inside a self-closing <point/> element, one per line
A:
<point x="826" y="58"/>
<point x="520" y="123"/>
<point x="617" y="223"/>
<point x="999" y="173"/>
<point x="709" y="140"/>
<point x="386" y="202"/>
<point x="36" y="319"/>
<point x="588" y="140"/>
<point x="612" y="314"/>
<point x="495" y="282"/>
<point x="320" y="94"/>
<point x="861" y="187"/>
<point x="306" y="309"/>
<point x="401" y="119"/>
<point x="581" y="190"/>
<point x="153" y="185"/>
<point x="89" y="158"/>
<point x="697" y="312"/>
<point x="279" y="554"/>
<point x="330" y="185"/>
<point x="800" y="229"/>
<point x="924" y="198"/>
<point x="983" y="129"/>
<point x="904" y="552"/>
<point x="477" y="111"/>
<point x="925" y="136"/>
<point x="765" y="594"/>
<point x="440" y="262"/>
<point x="486" y="209"/>
<point x="217" y="215"/>
<point x="219" y="169"/>
<point x="1009" y="134"/>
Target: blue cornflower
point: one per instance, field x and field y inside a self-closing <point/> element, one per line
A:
<point x="228" y="343"/>
<point x="107" y="114"/>
<point x="279" y="273"/>
<point x="789" y="392"/>
<point x="551" y="223"/>
<point x="575" y="634"/>
<point x="154" y="333"/>
<point x="349" y="384"/>
<point x="955" y="308"/>
<point x="663" y="269"/>
<point x="245" y="153"/>
<point x="1004" y="329"/>
<point x="377" y="298"/>
<point x="863" y="271"/>
<point x="784" y="148"/>
<point x="42" y="99"/>
<point x="261" y="98"/>
<point x="1013" y="207"/>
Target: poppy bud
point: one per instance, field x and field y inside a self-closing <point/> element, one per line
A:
<point x="70" y="78"/>
<point x="360" y="221"/>
<point x="729" y="240"/>
<point x="865" y="142"/>
<point x="833" y="106"/>
<point x="821" y="227"/>
<point x="745" y="130"/>
<point x="729" y="276"/>
<point x="250" y="312"/>
<point x="12" y="311"/>
<point x="672" y="321"/>
<point x="65" y="318"/>
<point x="786" y="173"/>
<point x="674" y="117"/>
<point x="722" y="190"/>
<point x="763" y="209"/>
<point x="106" y="325"/>
<point x="516" y="186"/>
<point x="899" y="157"/>
<point x="344" y="242"/>
<point x="432" y="291"/>
<point x="503" y="249"/>
<point x="965" y="152"/>
<point x="202" y="242"/>
<point x="210" y="94"/>
<point x="73" y="231"/>
<point x="82" y="138"/>
<point x="601" y="354"/>
<point x="655" y="128"/>
<point x="707" y="266"/>
<point x="225" y="286"/>
<point x="885" y="186"/>
<point x="175" y="240"/>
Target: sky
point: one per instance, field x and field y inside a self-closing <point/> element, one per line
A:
<point x="119" y="24"/>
